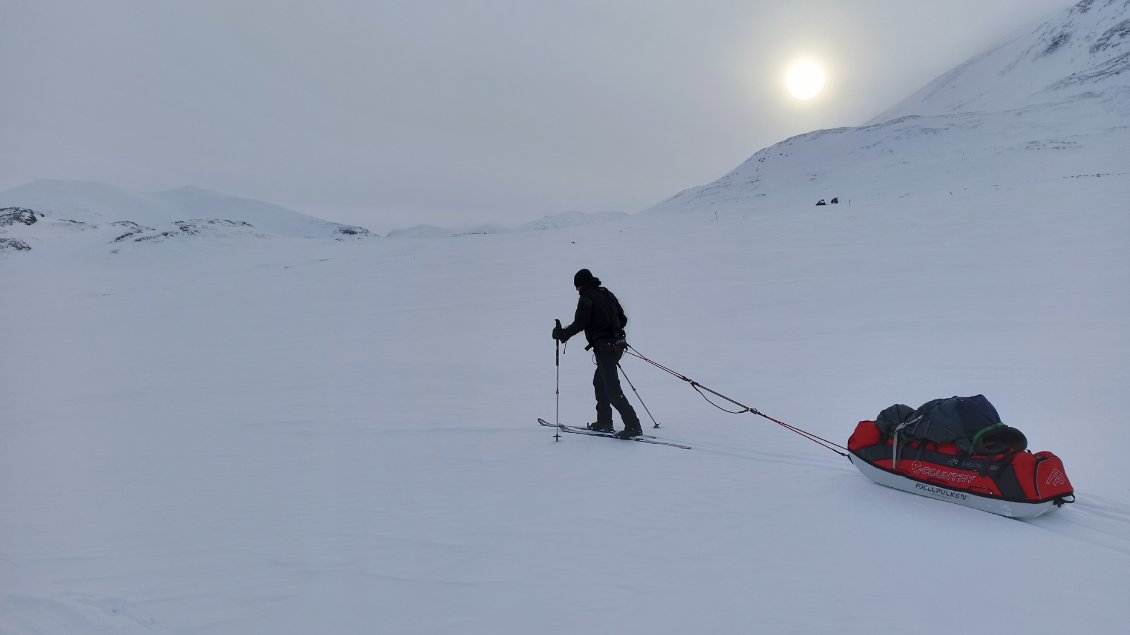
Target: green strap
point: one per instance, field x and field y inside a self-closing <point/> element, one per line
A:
<point x="980" y="433"/>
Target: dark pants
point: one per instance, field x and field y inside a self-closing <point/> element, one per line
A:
<point x="606" y="383"/>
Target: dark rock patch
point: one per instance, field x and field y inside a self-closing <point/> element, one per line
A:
<point x="13" y="215"/>
<point x="11" y="244"/>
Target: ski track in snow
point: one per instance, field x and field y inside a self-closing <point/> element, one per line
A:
<point x="1092" y="519"/>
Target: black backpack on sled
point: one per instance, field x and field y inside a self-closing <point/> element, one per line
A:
<point x="970" y="423"/>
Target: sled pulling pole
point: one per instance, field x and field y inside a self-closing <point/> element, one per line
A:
<point x="646" y="409"/>
<point x="699" y="388"/>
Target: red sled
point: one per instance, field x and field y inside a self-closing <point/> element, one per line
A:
<point x="1014" y="483"/>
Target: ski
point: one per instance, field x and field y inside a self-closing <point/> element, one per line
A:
<point x="611" y="435"/>
<point x="584" y="430"/>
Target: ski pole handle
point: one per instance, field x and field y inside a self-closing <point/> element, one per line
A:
<point x="558" y="355"/>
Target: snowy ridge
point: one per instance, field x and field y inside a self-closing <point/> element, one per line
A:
<point x="190" y="212"/>
<point x="155" y="216"/>
<point x="924" y="157"/>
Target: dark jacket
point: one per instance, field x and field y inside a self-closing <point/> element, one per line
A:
<point x="599" y="315"/>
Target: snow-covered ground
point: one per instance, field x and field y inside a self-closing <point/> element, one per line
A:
<point x="230" y="434"/>
<point x="294" y="437"/>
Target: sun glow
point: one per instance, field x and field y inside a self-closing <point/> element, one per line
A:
<point x="805" y="80"/>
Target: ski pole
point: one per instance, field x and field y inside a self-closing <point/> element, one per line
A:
<point x="637" y="395"/>
<point x="557" y="391"/>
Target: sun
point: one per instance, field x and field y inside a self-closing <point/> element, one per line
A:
<point x="805" y="80"/>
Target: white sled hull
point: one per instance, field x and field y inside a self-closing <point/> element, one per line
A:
<point x="1011" y="509"/>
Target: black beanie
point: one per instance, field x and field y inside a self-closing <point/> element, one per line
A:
<point x="585" y="279"/>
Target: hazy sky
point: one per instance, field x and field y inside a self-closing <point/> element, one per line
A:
<point x="394" y="113"/>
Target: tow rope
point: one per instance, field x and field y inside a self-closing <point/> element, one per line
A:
<point x="699" y="388"/>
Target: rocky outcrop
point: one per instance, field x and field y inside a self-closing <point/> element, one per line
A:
<point x="132" y="229"/>
<point x="11" y="244"/>
<point x="21" y="215"/>
<point x="190" y="228"/>
<point x="351" y="231"/>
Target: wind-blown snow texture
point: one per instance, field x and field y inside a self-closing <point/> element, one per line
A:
<point x="297" y="436"/>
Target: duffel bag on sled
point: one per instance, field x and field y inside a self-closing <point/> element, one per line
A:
<point x="957" y="450"/>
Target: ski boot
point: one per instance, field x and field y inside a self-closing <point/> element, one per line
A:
<point x="630" y="432"/>
<point x="597" y="426"/>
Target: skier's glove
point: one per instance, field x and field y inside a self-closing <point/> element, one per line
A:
<point x="559" y="335"/>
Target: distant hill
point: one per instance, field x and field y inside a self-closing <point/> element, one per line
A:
<point x="157" y="213"/>
<point x="552" y="221"/>
<point x="571" y="219"/>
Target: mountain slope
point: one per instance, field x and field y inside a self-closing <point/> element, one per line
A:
<point x="1024" y="113"/>
<point x="1080" y="53"/>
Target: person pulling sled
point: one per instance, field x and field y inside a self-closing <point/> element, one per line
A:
<point x="601" y="317"/>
